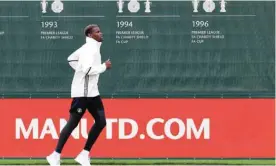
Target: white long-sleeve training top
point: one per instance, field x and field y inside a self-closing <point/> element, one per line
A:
<point x="86" y="61"/>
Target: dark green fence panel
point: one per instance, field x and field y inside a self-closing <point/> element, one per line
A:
<point x="169" y="62"/>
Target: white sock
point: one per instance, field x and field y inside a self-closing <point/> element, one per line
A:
<point x="56" y="154"/>
<point x="85" y="152"/>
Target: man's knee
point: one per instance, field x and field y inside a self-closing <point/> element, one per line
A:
<point x="101" y="120"/>
<point x="101" y="123"/>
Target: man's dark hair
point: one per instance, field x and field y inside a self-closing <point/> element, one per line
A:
<point x="89" y="29"/>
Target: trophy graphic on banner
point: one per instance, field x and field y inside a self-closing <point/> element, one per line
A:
<point x="133" y="6"/>
<point x="44" y="5"/>
<point x="195" y="5"/>
<point x="147" y="6"/>
<point x="120" y="5"/>
<point x="222" y="6"/>
<point x="209" y="6"/>
<point x="57" y="6"/>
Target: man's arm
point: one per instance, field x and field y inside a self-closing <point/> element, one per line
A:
<point x="93" y="70"/>
<point x="85" y="63"/>
<point x="73" y="59"/>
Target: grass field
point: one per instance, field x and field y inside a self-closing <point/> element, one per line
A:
<point x="146" y="162"/>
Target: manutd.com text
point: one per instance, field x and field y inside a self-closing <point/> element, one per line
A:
<point x="126" y="128"/>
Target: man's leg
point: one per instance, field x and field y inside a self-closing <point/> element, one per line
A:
<point x="67" y="130"/>
<point x="77" y="110"/>
<point x="96" y="109"/>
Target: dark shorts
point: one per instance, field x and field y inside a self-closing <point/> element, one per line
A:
<point x="93" y="104"/>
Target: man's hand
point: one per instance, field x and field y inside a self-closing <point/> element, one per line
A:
<point x="108" y="64"/>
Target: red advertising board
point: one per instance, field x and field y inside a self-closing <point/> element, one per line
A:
<point x="182" y="128"/>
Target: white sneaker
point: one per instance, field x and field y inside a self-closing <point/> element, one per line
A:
<point x="83" y="159"/>
<point x="53" y="159"/>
